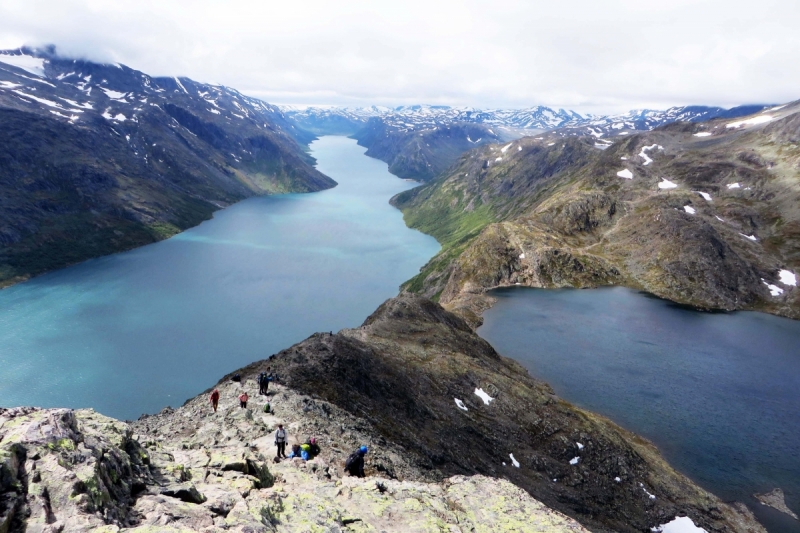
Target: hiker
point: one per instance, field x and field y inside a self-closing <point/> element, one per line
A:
<point x="355" y="463"/>
<point x="280" y="441"/>
<point x="313" y="447"/>
<point x="214" y="399"/>
<point x="295" y="451"/>
<point x="263" y="381"/>
<point x="243" y="400"/>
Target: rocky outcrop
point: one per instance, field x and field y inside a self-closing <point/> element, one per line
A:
<point x="70" y="471"/>
<point x="776" y="499"/>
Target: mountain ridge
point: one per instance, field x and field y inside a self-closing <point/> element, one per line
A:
<point x="703" y="214"/>
<point x="96" y="159"/>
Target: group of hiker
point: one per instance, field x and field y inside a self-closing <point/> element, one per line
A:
<point x="263" y="389"/>
<point x="354" y="465"/>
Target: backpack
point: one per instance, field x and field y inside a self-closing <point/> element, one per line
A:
<point x="236" y="377"/>
<point x="351" y="461"/>
<point x="266" y="407"/>
<point x="262" y="377"/>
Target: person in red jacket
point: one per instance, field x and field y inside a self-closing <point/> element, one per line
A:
<point x="214" y="399"/>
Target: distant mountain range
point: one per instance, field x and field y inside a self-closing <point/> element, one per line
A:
<point x="421" y="141"/>
<point x="98" y="158"/>
<point x="515" y="122"/>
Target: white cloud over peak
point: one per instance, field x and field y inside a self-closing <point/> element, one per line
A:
<point x="596" y="56"/>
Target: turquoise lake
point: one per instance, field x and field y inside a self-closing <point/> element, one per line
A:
<point x="133" y="332"/>
<point x="718" y="393"/>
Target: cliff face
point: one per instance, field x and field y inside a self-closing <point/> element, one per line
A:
<point x="413" y="384"/>
<point x="704" y="215"/>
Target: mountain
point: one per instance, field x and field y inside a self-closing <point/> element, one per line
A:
<point x="704" y="214"/>
<point x="391" y="134"/>
<point x="95" y="158"/>
<point x="649" y="119"/>
<point x="460" y="439"/>
<point x="421" y="154"/>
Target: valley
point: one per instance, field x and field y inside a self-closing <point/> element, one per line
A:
<point x="695" y="205"/>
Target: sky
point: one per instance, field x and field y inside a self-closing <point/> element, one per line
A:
<point x="591" y="56"/>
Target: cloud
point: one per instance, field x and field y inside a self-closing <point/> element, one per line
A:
<point x="594" y="56"/>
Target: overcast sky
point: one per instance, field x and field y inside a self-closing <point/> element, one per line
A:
<point x="588" y="55"/>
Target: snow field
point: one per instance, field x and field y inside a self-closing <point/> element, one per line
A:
<point x="689" y="209"/>
<point x="760" y="119"/>
<point x="34" y="65"/>
<point x="461" y="405"/>
<point x="703" y="134"/>
<point x="666" y="184"/>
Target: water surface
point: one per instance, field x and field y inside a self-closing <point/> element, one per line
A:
<point x="133" y="332"/>
<point x="719" y="393"/>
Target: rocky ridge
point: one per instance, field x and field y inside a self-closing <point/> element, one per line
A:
<point x="701" y="214"/>
<point x="461" y="439"/>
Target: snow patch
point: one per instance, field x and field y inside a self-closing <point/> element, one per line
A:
<point x="617" y="479"/>
<point x="579" y="445"/>
<point x="483" y="396"/>
<point x="461" y="405"/>
<point x="681" y="524"/>
<point x="513" y="461"/>
<point x="645" y="149"/>
<point x="114" y="95"/>
<point x="627" y="174"/>
<point x="734" y="186"/>
<point x="40" y="100"/>
<point x="498" y="159"/>
<point x="9" y="85"/>
<point x="751" y="237"/>
<point x="774" y="290"/>
<point x="788" y="278"/>
<point x="715" y="216"/>
<point x="651" y="496"/>
<point x="34" y="65"/>
<point x="760" y="119"/>
<point x="624" y="158"/>
<point x="689" y="209"/>
<point x="574" y="460"/>
<point x="703" y="134"/>
<point x="214" y="111"/>
<point x="181" y="85"/>
<point x="666" y="184"/>
<point x="504" y="148"/>
<point x="522" y="256"/>
<point x="705" y="195"/>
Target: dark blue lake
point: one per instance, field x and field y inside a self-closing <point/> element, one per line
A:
<point x="133" y="332"/>
<point x="718" y="393"/>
